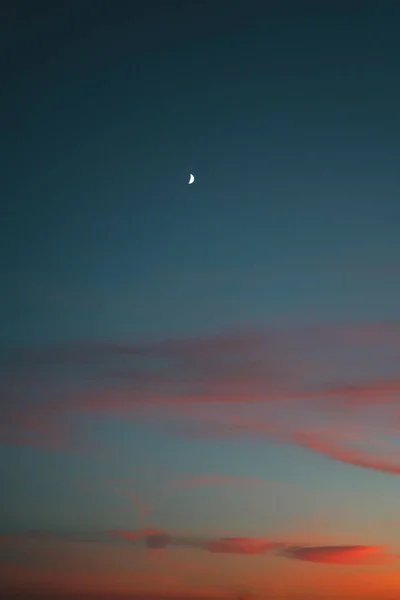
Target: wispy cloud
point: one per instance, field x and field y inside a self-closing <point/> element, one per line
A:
<point x="240" y="545"/>
<point x="250" y="366"/>
<point x="340" y="376"/>
<point x="347" y="454"/>
<point x="224" y="545"/>
<point x="152" y="538"/>
<point x="335" y="442"/>
<point x="344" y="555"/>
<point x="158" y="539"/>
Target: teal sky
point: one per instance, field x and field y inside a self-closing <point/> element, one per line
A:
<point x="232" y="347"/>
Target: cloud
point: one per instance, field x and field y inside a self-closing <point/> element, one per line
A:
<point x="346" y="454"/>
<point x="159" y="539"/>
<point x="48" y="393"/>
<point x="337" y="441"/>
<point x="240" y="545"/>
<point x="39" y="387"/>
<point x="378" y="391"/>
<point x="241" y="367"/>
<point x="249" y="366"/>
<point x="341" y="555"/>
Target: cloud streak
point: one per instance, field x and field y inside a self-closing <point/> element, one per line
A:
<point x="151" y="538"/>
<point x="158" y="539"/>
<point x="251" y="367"/>
<point x="299" y="375"/>
<point x="340" y="555"/>
<point x="333" y="442"/>
<point x="347" y="454"/>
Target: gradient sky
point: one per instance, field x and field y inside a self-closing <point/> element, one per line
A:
<point x="200" y="384"/>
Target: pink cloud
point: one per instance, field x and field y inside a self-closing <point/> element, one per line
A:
<point x="335" y="441"/>
<point x="164" y="381"/>
<point x="241" y="366"/>
<point x="158" y="540"/>
<point x="240" y="545"/>
<point x="341" y="555"/>
<point x="378" y="391"/>
<point x="346" y="454"/>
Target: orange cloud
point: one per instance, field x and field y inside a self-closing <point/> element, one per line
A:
<point x="343" y="555"/>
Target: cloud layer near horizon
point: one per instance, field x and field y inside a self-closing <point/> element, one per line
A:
<point x="157" y="539"/>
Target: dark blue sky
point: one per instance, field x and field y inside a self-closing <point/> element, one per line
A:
<point x="287" y="113"/>
<point x="287" y="117"/>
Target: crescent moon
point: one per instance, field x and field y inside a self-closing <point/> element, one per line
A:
<point x="191" y="178"/>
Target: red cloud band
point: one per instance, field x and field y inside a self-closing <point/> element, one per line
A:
<point x="345" y="555"/>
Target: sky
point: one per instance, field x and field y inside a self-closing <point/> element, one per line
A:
<point x="200" y="383"/>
